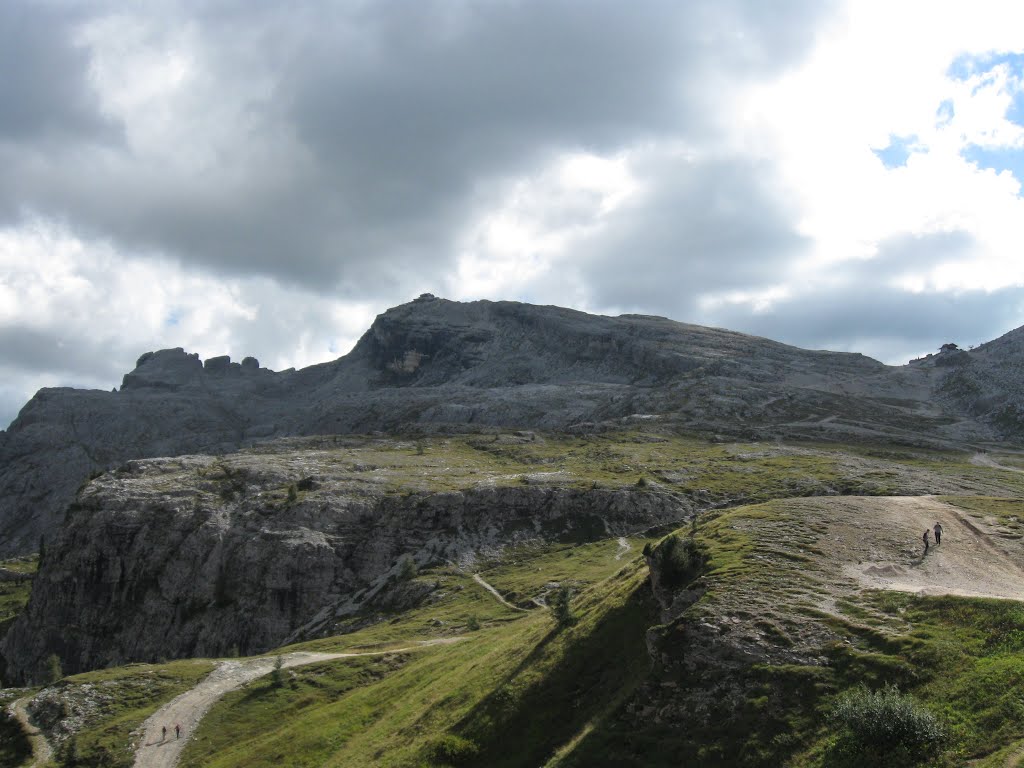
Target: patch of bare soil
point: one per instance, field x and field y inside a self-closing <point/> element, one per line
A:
<point x="972" y="560"/>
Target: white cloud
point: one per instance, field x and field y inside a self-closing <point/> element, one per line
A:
<point x="78" y="313"/>
<point x="517" y="245"/>
<point x="882" y="70"/>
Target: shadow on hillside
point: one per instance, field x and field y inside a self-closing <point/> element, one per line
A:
<point x="576" y="683"/>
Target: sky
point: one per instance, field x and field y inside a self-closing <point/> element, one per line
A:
<point x="263" y="178"/>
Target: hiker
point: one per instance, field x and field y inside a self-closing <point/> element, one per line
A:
<point x="927" y="533"/>
<point x="177" y="730"/>
<point x="163" y="734"/>
<point x="938" y="534"/>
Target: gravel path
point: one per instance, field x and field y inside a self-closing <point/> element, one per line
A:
<point x="42" y="752"/>
<point x="190" y="707"/>
<point x="984" y="460"/>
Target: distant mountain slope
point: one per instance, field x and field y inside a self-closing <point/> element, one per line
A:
<point x="437" y="364"/>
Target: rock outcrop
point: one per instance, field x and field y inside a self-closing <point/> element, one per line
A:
<point x="436" y="364"/>
<point x="205" y="556"/>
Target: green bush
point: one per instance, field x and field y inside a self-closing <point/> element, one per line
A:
<point x="407" y="569"/>
<point x="561" y="606"/>
<point x="885" y="727"/>
<point x="678" y="559"/>
<point x="450" y="749"/>
<point x="54" y="672"/>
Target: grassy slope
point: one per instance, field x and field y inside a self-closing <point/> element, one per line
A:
<point x="15" y="748"/>
<point x="542" y="683"/>
<point x="963" y="658"/>
<point x="713" y="472"/>
<point x="14" y="594"/>
<point x="521" y="691"/>
<point x="126" y="697"/>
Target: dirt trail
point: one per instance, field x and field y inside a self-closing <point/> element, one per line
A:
<point x="190" y="707"/>
<point x="623" y="548"/>
<point x="480" y="580"/>
<point x="970" y="561"/>
<point x="42" y="752"/>
<point x="984" y="460"/>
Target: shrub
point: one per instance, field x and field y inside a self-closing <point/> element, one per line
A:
<point x="293" y="494"/>
<point x="450" y="749"/>
<point x="276" y="675"/>
<point x="54" y="672"/>
<point x="407" y="568"/>
<point x="472" y="623"/>
<point x="561" y="606"/>
<point x="885" y="727"/>
<point x="678" y="560"/>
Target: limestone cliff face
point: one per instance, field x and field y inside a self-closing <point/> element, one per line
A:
<point x="199" y="556"/>
<point x="439" y="364"/>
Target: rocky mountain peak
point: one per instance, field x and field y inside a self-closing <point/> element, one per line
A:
<point x="166" y="368"/>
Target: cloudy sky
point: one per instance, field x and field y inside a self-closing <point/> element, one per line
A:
<point x="257" y="178"/>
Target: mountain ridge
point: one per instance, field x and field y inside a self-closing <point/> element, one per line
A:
<point x="434" y="364"/>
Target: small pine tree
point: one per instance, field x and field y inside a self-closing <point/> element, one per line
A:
<point x="293" y="494"/>
<point x="561" y="607"/>
<point x="54" y="672"/>
<point x="276" y="675"/>
<point x="472" y="624"/>
<point x="407" y="568"/>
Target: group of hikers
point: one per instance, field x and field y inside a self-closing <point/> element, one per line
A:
<point x="927" y="536"/>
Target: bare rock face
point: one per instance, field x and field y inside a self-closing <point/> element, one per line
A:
<point x="436" y="364"/>
<point x="205" y="556"/>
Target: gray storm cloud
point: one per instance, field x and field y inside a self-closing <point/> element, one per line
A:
<point x="337" y="152"/>
<point x="376" y="128"/>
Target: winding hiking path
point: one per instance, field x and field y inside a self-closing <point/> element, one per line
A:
<point x="623" y="547"/>
<point x="984" y="460"/>
<point x="190" y="707"/>
<point x="42" y="752"/>
<point x="480" y="580"/>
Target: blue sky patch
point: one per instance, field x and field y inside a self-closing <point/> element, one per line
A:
<point x="998" y="159"/>
<point x="945" y="113"/>
<point x="898" y="152"/>
<point x="967" y="66"/>
<point x="1015" y="114"/>
<point x="173" y="318"/>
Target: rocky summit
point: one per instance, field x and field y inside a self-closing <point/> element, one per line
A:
<point x="433" y="364"/>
